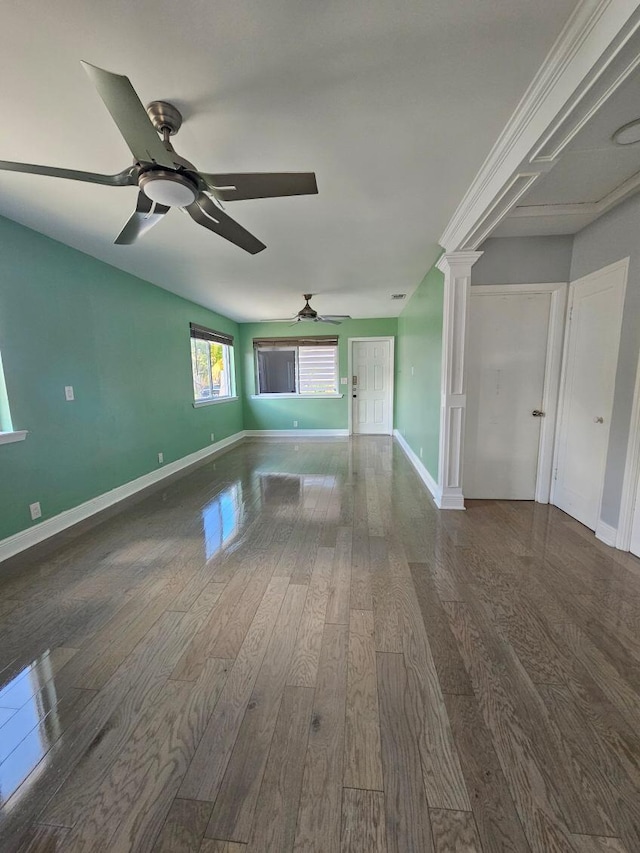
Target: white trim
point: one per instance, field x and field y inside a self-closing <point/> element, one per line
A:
<point x="297" y="396"/>
<point x="295" y="433"/>
<point x="623" y="264"/>
<point x="582" y="70"/>
<point x="199" y="404"/>
<point x="16" y="435"/>
<point x="419" y="466"/>
<point x="631" y="472"/>
<point x="456" y="268"/>
<point x="392" y="369"/>
<point x="38" y="533"/>
<point x="551" y="383"/>
<point x="606" y="533"/>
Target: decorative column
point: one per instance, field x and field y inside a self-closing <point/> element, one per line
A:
<point x="456" y="267"/>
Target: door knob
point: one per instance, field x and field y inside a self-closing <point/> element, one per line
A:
<point x="537" y="413"/>
<point x="598" y="420"/>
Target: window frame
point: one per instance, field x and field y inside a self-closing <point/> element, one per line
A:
<point x="292" y="344"/>
<point x="213" y="338"/>
<point x="8" y="433"/>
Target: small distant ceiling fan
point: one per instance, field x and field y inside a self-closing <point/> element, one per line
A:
<point x="307" y="314"/>
<point x="164" y="178"/>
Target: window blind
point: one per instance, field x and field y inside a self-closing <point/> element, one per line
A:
<point x="318" y="340"/>
<point x="318" y="370"/>
<point x="204" y="334"/>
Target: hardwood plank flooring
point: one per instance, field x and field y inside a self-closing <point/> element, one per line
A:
<point x="362" y="763"/>
<point x="290" y="649"/>
<point x="363" y="829"/>
<point x="406" y="807"/>
<point x="454" y="832"/>
<point x="318" y="829"/>
<point x="184" y="826"/>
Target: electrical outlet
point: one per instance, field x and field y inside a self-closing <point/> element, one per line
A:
<point x="344" y="380"/>
<point x="420" y="453"/>
<point x="68" y="393"/>
<point x="213" y="436"/>
<point x="413" y="370"/>
<point x="35" y="511"/>
<point x="160" y="458"/>
<point x="295" y="423"/>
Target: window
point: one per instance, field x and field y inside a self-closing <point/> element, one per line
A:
<point x="305" y="367"/>
<point x="5" y="412"/>
<point x="211" y="364"/>
<point x="7" y="433"/>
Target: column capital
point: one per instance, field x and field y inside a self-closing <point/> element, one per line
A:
<point x="458" y="263"/>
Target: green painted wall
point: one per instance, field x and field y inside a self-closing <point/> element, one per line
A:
<point x="68" y="319"/>
<point x="311" y="413"/>
<point x="418" y="365"/>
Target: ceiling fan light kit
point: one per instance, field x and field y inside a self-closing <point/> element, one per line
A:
<point x="164" y="178"/>
<point x="169" y="188"/>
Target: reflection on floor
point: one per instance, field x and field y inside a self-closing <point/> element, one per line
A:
<point x="291" y="649"/>
<point x="30" y="724"/>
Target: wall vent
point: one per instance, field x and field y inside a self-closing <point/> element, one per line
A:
<point x="398" y="295"/>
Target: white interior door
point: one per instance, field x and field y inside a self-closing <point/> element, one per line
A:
<point x="507" y="353"/>
<point x="372" y="387"/>
<point x="586" y="400"/>
<point x="634" y="547"/>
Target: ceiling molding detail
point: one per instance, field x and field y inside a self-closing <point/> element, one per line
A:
<point x="596" y="51"/>
<point x="594" y="94"/>
<point x="592" y="209"/>
<point x="509" y="198"/>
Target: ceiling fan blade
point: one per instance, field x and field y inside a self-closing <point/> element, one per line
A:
<point x="235" y="187"/>
<point x="126" y="109"/>
<point x="147" y="214"/>
<point x="326" y="320"/>
<point x="336" y="317"/>
<point x="206" y="213"/>
<point x="125" y="178"/>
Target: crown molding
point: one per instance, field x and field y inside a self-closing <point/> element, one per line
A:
<point x="593" y="55"/>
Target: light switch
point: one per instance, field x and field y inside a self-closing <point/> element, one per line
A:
<point x="68" y="392"/>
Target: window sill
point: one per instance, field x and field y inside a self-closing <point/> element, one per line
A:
<point x="198" y="404"/>
<point x="9" y="437"/>
<point x="296" y="396"/>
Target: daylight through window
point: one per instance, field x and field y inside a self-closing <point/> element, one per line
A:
<point x="5" y="412"/>
<point x="211" y="364"/>
<point x="307" y="367"/>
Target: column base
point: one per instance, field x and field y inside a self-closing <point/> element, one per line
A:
<point x="450" y="499"/>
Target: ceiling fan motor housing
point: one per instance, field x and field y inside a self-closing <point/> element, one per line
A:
<point x="307" y="313"/>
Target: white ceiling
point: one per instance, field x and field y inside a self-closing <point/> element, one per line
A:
<point x="393" y="103"/>
<point x="592" y="174"/>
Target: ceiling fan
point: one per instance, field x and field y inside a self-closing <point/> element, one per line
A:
<point x="164" y="178"/>
<point x="307" y="314"/>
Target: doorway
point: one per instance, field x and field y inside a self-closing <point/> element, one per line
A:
<point x="371" y="383"/>
<point x="590" y="361"/>
<point x="514" y="349"/>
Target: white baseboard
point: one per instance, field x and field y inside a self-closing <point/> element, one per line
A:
<point x="38" y="533"/>
<point x="451" y="500"/>
<point x="606" y="533"/>
<point x="422" y="472"/>
<point x="294" y="433"/>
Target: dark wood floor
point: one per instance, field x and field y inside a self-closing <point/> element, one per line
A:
<point x="291" y="650"/>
